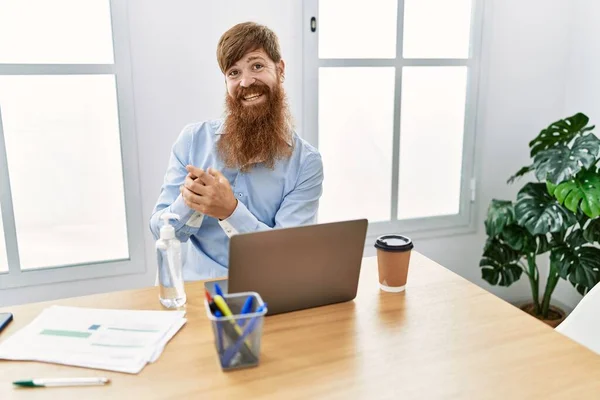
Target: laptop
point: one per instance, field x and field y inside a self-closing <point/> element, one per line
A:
<point x="297" y="268"/>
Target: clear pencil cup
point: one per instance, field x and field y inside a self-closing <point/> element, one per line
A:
<point x="238" y="338"/>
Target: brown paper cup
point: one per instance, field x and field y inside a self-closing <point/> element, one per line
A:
<point x="393" y="258"/>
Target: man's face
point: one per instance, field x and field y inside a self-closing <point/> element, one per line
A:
<point x="252" y="79"/>
<point x="257" y="126"/>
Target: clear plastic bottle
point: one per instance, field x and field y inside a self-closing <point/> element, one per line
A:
<point x="170" y="277"/>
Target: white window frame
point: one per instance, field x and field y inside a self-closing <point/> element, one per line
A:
<point x="464" y="221"/>
<point x="121" y="69"/>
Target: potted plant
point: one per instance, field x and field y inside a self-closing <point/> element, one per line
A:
<point x="556" y="214"/>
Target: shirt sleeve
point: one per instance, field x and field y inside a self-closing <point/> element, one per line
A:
<point x="170" y="199"/>
<point x="299" y="207"/>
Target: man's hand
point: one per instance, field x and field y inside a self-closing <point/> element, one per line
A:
<point x="208" y="192"/>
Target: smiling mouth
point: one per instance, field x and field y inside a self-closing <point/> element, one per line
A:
<point x="253" y="97"/>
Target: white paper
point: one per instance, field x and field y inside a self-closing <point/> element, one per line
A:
<point x="116" y="340"/>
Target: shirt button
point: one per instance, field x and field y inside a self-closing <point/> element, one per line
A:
<point x="240" y="194"/>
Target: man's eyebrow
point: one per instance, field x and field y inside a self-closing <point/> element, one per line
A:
<point x="252" y="58"/>
<point x="248" y="60"/>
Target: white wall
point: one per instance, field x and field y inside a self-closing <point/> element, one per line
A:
<point x="527" y="48"/>
<point x="583" y="77"/>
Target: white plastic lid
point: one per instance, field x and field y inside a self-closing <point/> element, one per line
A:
<point x="168" y="231"/>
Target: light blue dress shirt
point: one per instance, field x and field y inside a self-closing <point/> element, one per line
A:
<point x="285" y="196"/>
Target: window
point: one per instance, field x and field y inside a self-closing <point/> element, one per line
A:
<point x="68" y="164"/>
<point x="389" y="101"/>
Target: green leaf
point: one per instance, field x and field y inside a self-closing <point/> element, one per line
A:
<point x="591" y="233"/>
<point x="583" y="192"/>
<point x="578" y="263"/>
<point x="520" y="173"/>
<point x="582" y="219"/>
<point x="558" y="238"/>
<point x="519" y="239"/>
<point x="539" y="212"/>
<point x="560" y="132"/>
<point x="582" y="289"/>
<point x="543" y="245"/>
<point x="561" y="163"/>
<point x="488" y="243"/>
<point x="500" y="214"/>
<point x="499" y="264"/>
<point x="576" y="239"/>
<point x="550" y="187"/>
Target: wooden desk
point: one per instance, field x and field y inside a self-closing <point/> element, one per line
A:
<point x="443" y="338"/>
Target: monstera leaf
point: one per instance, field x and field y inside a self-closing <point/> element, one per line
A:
<point x="539" y="212"/>
<point x="519" y="239"/>
<point x="500" y="264"/>
<point x="520" y="173"/>
<point x="578" y="263"/>
<point x="500" y="214"/>
<point x="561" y="163"/>
<point x="551" y="187"/>
<point x="560" y="132"/>
<point x="543" y="245"/>
<point x="583" y="192"/>
<point x="591" y="233"/>
<point x="590" y="227"/>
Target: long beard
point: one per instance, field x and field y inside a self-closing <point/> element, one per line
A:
<point x="256" y="133"/>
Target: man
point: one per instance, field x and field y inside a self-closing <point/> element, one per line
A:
<point x="246" y="173"/>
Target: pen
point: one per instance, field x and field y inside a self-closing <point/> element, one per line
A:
<point x="219" y="331"/>
<point x="220" y="302"/>
<point x="211" y="303"/>
<point x="232" y="350"/>
<point x="42" y="382"/>
<point x="247" y="307"/>
<point x="215" y="310"/>
<point x="218" y="290"/>
<point x="244" y="350"/>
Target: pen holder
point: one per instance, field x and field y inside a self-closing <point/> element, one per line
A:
<point x="237" y="338"/>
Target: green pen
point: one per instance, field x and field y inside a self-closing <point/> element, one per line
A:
<point x="55" y="382"/>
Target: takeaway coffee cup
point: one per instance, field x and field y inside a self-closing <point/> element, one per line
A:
<point x="393" y="257"/>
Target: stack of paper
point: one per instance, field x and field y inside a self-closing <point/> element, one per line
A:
<point x="116" y="340"/>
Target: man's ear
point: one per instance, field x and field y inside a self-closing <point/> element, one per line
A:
<point x="281" y="68"/>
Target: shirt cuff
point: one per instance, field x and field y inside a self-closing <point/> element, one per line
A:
<point x="240" y="221"/>
<point x="187" y="216"/>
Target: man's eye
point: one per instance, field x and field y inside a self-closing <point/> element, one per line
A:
<point x="258" y="67"/>
<point x="233" y="73"/>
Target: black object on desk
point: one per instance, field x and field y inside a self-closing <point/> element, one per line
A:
<point x="5" y="319"/>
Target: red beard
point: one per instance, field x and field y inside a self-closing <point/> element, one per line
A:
<point x="256" y="133"/>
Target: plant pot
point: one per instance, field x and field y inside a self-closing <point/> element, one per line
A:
<point x="555" y="315"/>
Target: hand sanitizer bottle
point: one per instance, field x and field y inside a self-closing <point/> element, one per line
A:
<point x="168" y="249"/>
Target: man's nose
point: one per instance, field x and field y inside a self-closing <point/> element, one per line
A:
<point x="247" y="82"/>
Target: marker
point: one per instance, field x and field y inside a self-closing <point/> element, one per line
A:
<point x="218" y="290"/>
<point x="42" y="382"/>
<point x="247" y="307"/>
<point x="219" y="330"/>
<point x="211" y="303"/>
<point x="232" y="350"/>
<point x="220" y="302"/>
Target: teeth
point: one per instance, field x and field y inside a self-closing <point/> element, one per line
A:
<point x="252" y="96"/>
